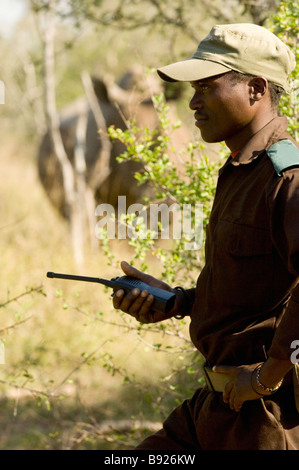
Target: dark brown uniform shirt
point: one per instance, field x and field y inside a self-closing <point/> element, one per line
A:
<point x="246" y="299"/>
<point x="246" y="302"/>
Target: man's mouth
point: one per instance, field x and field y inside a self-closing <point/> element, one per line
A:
<point x="200" y="118"/>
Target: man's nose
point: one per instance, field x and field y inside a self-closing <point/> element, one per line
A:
<point x="195" y="103"/>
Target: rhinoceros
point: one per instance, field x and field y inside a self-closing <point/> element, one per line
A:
<point x="130" y="98"/>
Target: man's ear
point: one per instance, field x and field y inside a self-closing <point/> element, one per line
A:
<point x="258" y="87"/>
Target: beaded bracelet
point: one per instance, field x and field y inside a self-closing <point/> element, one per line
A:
<point x="266" y="389"/>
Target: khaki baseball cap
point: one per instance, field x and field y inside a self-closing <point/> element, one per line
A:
<point x="244" y="47"/>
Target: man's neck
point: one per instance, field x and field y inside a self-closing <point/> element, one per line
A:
<point x="239" y="139"/>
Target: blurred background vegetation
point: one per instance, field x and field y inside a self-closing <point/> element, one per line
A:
<point x="76" y="374"/>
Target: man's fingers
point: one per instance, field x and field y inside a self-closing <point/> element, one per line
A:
<point x="232" y="398"/>
<point x="135" y="303"/>
<point x="139" y="303"/>
<point x="117" y="298"/>
<point x="137" y="306"/>
<point x="227" y="391"/>
<point x="129" y="270"/>
<point x="124" y="302"/>
<point x="234" y="403"/>
<point x="238" y="406"/>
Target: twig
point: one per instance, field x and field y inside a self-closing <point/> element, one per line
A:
<point x="86" y="359"/>
<point x="19" y="296"/>
<point x="4" y="328"/>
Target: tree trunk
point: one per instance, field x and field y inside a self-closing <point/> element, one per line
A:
<point x="68" y="172"/>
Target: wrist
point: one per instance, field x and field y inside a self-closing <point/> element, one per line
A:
<point x="183" y="303"/>
<point x="274" y="370"/>
<point x="267" y="377"/>
<point x="264" y="387"/>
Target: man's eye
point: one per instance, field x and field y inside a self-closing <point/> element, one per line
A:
<point x="200" y="88"/>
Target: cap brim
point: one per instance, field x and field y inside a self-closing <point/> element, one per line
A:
<point x="191" y="70"/>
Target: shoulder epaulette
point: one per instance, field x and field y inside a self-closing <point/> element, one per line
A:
<point x="284" y="154"/>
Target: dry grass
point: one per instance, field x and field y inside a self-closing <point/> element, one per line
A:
<point x="71" y="362"/>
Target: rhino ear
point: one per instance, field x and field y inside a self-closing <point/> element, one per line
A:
<point x="100" y="89"/>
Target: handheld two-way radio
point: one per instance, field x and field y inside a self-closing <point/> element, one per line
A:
<point x="163" y="300"/>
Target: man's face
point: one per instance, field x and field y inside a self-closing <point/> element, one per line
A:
<point x="222" y="109"/>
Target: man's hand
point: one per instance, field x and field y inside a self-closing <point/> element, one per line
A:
<point x="240" y="388"/>
<point x="138" y="304"/>
<point x="244" y="385"/>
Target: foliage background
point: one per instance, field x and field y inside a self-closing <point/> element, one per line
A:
<point x="78" y="375"/>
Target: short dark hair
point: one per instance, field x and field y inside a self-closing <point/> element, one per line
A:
<point x="275" y="90"/>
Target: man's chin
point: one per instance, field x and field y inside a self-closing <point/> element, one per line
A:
<point x="210" y="139"/>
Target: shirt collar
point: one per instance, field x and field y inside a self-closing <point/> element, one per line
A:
<point x="261" y="141"/>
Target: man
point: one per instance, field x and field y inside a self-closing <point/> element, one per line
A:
<point x="245" y="307"/>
